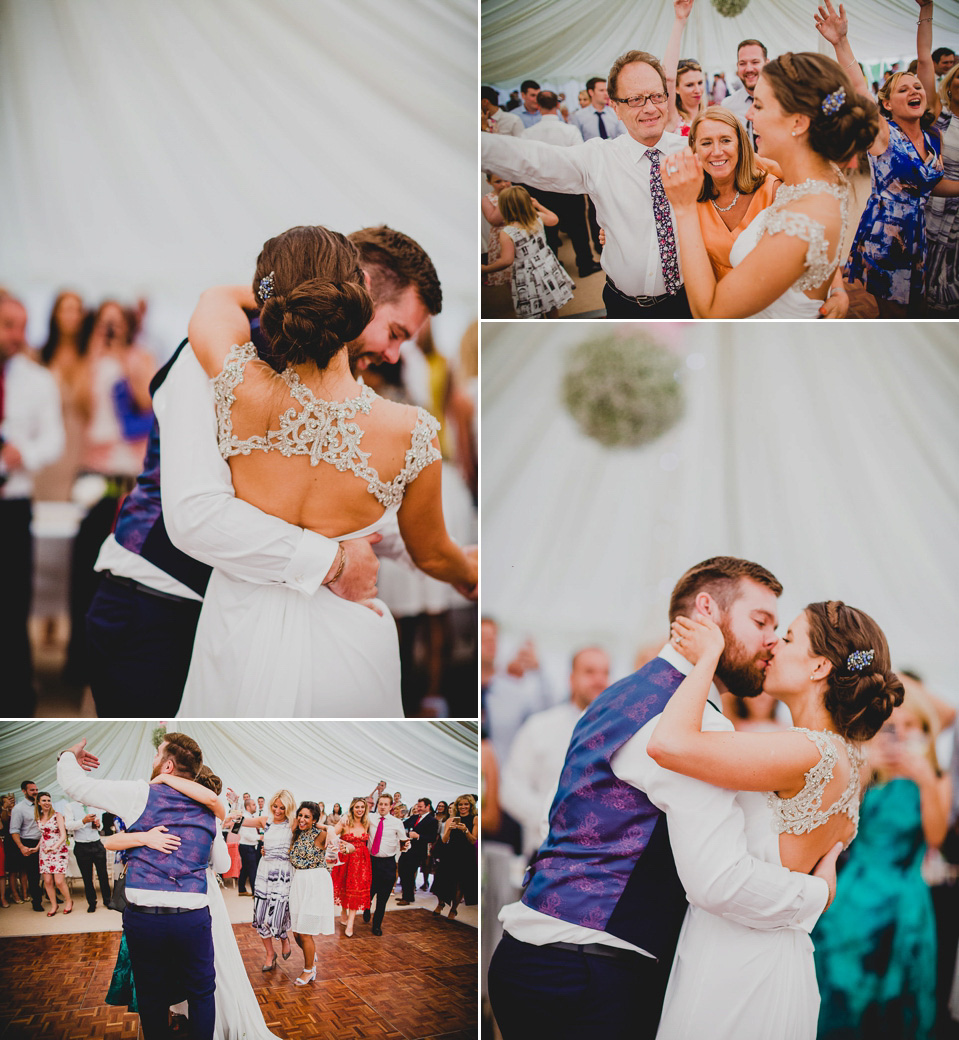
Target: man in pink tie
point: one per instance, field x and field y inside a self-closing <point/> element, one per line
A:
<point x="389" y="840"/>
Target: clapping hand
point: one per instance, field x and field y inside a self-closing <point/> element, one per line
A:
<point x="682" y="175"/>
<point x="697" y="639"/>
<point x="831" y="26"/>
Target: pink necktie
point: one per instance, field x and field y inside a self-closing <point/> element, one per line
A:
<point x="664" y="225"/>
<point x="377" y="837"/>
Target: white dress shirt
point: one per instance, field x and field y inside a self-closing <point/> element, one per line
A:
<point x="587" y="120"/>
<point x="126" y="799"/>
<point x="73" y="821"/>
<point x="616" y="176"/>
<point x="507" y="123"/>
<point x="394" y="833"/>
<point x="23" y="822"/>
<point x="707" y="834"/>
<point x="32" y="422"/>
<point x="552" y="130"/>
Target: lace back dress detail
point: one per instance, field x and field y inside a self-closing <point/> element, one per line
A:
<point x="803" y="812"/>
<point x="323" y="430"/>
<point x="799" y="225"/>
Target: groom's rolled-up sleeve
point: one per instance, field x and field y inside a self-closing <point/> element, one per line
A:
<point x="203" y="516"/>
<point x="124" y="798"/>
<point x="708" y="838"/>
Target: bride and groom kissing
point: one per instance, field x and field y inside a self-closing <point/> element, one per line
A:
<point x="686" y="864"/>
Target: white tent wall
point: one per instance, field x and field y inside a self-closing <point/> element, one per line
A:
<point x="830" y="454"/>
<point x="329" y="761"/>
<point x="557" y="40"/>
<point x="151" y="148"/>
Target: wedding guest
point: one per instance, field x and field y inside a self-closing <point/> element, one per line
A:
<point x="499" y="121"/>
<point x="321" y="820"/>
<point x="876" y="947"/>
<point x="311" y="894"/>
<point x="422" y="829"/>
<point x="490" y="208"/>
<point x="685" y="80"/>
<point x="456" y="881"/>
<point x="888" y="251"/>
<point x="596" y="118"/>
<point x="942" y="215"/>
<point x="388" y="840"/>
<point x="336" y="815"/>
<point x="583" y="98"/>
<point x="83" y="826"/>
<point x="25" y="832"/>
<point x="9" y="879"/>
<point x="943" y="59"/>
<point x="751" y="58"/>
<point x="528" y="111"/>
<point x="624" y="180"/>
<point x="249" y="850"/>
<point x="540" y="285"/>
<point x="352" y="879"/>
<point x="441" y="813"/>
<point x="53" y="852"/>
<point x="720" y="89"/>
<point x="31" y="436"/>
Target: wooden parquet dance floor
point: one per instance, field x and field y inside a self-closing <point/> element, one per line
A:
<point x="418" y="981"/>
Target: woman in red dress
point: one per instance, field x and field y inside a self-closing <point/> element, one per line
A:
<point x="352" y="879"/>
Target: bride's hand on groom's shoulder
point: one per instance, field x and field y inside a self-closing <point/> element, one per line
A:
<point x="696" y="639"/>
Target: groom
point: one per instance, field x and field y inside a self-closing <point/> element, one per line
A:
<point x="590" y="945"/>
<point x="167" y="919"/>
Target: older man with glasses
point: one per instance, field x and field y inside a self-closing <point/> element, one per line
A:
<point x="623" y="178"/>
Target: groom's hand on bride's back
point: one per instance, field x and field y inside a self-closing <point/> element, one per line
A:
<point x="826" y="869"/>
<point x="357" y="580"/>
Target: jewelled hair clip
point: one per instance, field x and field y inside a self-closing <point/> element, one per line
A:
<point x="265" y="290"/>
<point x="831" y="103"/>
<point x="858" y="659"/>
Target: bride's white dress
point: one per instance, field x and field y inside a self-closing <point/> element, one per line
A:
<point x="732" y="982"/>
<point x="269" y="650"/>
<point x="794" y="303"/>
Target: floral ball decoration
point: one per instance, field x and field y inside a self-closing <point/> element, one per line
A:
<point x="158" y="736"/>
<point x="622" y="391"/>
<point x="730" y="8"/>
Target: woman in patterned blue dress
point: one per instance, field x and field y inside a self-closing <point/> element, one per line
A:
<point x="889" y="250"/>
<point x="942" y="215"/>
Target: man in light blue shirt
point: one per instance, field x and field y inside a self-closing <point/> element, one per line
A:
<point x="25" y="832"/>
<point x="597" y="119"/>
<point x="528" y="111"/>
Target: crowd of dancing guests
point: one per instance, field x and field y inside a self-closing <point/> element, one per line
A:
<point x="77" y="420"/>
<point x="886" y="949"/>
<point x="738" y="198"/>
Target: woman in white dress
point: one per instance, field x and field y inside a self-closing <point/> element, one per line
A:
<point x="311" y="894"/>
<point x="307" y="443"/>
<point x="799" y="790"/>
<point x="808" y="118"/>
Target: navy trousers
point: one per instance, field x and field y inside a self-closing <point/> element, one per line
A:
<point x="172" y="955"/>
<point x="384" y="877"/>
<point x="566" y="995"/>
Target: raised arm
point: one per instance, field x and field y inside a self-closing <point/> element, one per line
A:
<point x="927" y="70"/>
<point x="197" y="792"/>
<point x="218" y="322"/>
<point x="537" y="163"/>
<point x="681" y="9"/>
<point x="156" y="838"/>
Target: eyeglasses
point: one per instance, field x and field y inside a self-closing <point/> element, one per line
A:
<point x="638" y="100"/>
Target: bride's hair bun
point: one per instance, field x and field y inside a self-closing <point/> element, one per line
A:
<point x="861" y="690"/>
<point x="803" y="82"/>
<point x="319" y="300"/>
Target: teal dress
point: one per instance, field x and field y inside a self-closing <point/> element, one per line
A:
<point x="876" y="945"/>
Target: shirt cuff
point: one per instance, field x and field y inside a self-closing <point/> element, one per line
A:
<point x="311" y="562"/>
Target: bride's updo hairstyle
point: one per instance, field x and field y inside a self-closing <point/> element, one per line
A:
<point x="861" y="689"/>
<point x="207" y="778"/>
<point x="313" y="293"/>
<point x="803" y="83"/>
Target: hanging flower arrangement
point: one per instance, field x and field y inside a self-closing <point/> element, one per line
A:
<point x="622" y="390"/>
<point x="158" y="736"/>
<point x="730" y="8"/>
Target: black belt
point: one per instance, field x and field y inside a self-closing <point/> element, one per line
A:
<point x="163" y="909"/>
<point x="138" y="586"/>
<point x="640" y="301"/>
<point x="598" y="950"/>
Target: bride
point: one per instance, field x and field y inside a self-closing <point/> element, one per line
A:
<point x="307" y="443"/>
<point x="808" y="118"/>
<point x="831" y="670"/>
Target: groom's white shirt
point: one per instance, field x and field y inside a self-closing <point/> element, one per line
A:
<point x="708" y="839"/>
<point x="127" y="799"/>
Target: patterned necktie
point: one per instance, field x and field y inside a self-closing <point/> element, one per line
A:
<point x="602" y="126"/>
<point x="377" y="838"/>
<point x="664" y="225"/>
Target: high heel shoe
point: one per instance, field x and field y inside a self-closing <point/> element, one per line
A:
<point x="271" y="966"/>
<point x="53" y="911"/>
<point x="70" y="911"/>
<point x="452" y="912"/>
<point x="305" y="982"/>
<point x="289" y="953"/>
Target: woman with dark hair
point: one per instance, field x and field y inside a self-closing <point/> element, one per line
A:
<point x="888" y="252"/>
<point x="307" y="443"/>
<point x="455" y="878"/>
<point x="800" y="791"/>
<point x="311" y="894"/>
<point x="809" y="118"/>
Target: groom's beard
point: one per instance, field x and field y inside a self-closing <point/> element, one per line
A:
<point x="740" y="672"/>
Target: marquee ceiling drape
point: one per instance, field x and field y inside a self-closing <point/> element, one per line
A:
<point x="329" y="761"/>
<point x="828" y="453"/>
<point x="557" y="40"/>
<point x="151" y="148"/>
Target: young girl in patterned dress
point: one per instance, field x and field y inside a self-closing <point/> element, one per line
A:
<point x="540" y="284"/>
<point x="53" y="851"/>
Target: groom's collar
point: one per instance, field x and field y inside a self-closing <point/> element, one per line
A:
<point x="673" y="657"/>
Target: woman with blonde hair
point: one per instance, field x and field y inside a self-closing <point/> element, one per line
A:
<point x="53" y="851"/>
<point x="540" y="284"/>
<point x="352" y="879"/>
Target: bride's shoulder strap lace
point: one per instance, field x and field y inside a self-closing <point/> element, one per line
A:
<point x="420" y="454"/>
<point x="224" y="385"/>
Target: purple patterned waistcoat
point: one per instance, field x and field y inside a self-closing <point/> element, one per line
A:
<point x="606" y="863"/>
<point x="185" y="869"/>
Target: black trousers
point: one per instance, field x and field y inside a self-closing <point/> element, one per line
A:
<point x="16" y="579"/>
<point x="32" y="866"/>
<point x="673" y="307"/>
<point x="249" y="860"/>
<point x="384" y="875"/>
<point x="138" y="650"/>
<point x="563" y="994"/>
<point x="571" y="210"/>
<point x="90" y="855"/>
<point x="410" y="863"/>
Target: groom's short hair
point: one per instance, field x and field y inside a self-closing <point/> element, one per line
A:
<point x="394" y="262"/>
<point x="185" y="753"/>
<point x="720" y="577"/>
